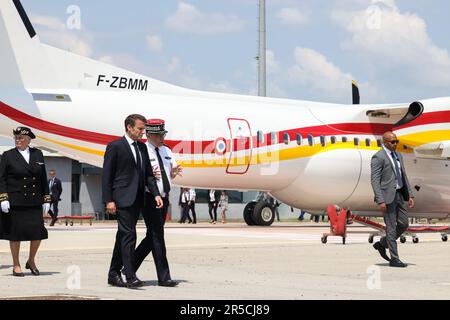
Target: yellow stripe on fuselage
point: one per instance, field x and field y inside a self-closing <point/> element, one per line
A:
<point x="266" y="156"/>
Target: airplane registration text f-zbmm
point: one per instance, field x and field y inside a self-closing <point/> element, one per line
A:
<point x="305" y="154"/>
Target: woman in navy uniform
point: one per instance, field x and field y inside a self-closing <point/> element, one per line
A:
<point x="24" y="198"/>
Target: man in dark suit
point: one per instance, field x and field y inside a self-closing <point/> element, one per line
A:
<point x="55" y="187"/>
<point x="391" y="187"/>
<point x="126" y="174"/>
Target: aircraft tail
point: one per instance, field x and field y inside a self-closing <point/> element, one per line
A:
<point x="27" y="63"/>
<point x="21" y="54"/>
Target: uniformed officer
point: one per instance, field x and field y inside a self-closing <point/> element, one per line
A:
<point x="24" y="198"/>
<point x="165" y="168"/>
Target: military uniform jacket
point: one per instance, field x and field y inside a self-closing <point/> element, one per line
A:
<point x="22" y="183"/>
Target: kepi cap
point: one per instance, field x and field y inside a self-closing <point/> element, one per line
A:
<point x="156" y="126"/>
<point x="24" y="131"/>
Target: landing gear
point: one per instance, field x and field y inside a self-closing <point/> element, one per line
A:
<point x="444" y="238"/>
<point x="403" y="239"/>
<point x="371" y="239"/>
<point x="248" y="212"/>
<point x="263" y="214"/>
<point x="415" y="240"/>
<point x="324" y="239"/>
<point x="259" y="214"/>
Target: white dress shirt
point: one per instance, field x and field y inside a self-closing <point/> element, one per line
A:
<point x="212" y="197"/>
<point x="393" y="164"/>
<point x="130" y="142"/>
<point x="25" y="154"/>
<point x="192" y="195"/>
<point x="168" y="162"/>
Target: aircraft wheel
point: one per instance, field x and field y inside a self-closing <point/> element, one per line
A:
<point x="371" y="239"/>
<point x="248" y="212"/>
<point x="343" y="240"/>
<point x="263" y="214"/>
<point x="324" y="240"/>
<point x="415" y="240"/>
<point x="444" y="238"/>
<point x="402" y="239"/>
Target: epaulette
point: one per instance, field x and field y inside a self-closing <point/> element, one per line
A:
<point x="47" y="198"/>
<point x="4" y="197"/>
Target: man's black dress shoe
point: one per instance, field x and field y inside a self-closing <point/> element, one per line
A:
<point x="168" y="283"/>
<point x="135" y="283"/>
<point x="18" y="274"/>
<point x="33" y="271"/>
<point x="116" y="281"/>
<point x="397" y="264"/>
<point x="382" y="251"/>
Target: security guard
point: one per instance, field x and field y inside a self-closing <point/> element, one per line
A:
<point x="24" y="198"/>
<point x="165" y="168"/>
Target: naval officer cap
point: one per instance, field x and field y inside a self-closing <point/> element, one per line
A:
<point x="24" y="131"/>
<point x="156" y="126"/>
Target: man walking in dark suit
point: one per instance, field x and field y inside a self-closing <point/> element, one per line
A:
<point x="126" y="174"/>
<point x="55" y="187"/>
<point x="391" y="187"/>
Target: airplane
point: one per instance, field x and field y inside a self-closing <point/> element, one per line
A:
<point x="304" y="154"/>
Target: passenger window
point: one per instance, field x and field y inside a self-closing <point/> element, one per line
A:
<point x="299" y="139"/>
<point x="260" y="135"/>
<point x="344" y="139"/>
<point x="356" y="141"/>
<point x="310" y="140"/>
<point x="368" y="143"/>
<point x="333" y="140"/>
<point x="273" y="138"/>
<point x="286" y="138"/>
<point x="379" y="144"/>
<point x="323" y="141"/>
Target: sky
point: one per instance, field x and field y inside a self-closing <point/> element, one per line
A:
<point x="397" y="50"/>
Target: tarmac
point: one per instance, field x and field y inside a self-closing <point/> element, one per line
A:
<point x="286" y="261"/>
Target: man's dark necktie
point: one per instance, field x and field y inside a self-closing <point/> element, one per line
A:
<point x="397" y="170"/>
<point x="166" y="184"/>
<point x="139" y="163"/>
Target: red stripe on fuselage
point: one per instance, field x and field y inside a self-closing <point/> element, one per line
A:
<point x="208" y="147"/>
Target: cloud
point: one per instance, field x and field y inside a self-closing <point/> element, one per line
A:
<point x="53" y="31"/>
<point x="154" y="43"/>
<point x="319" y="77"/>
<point x="396" y="42"/>
<point x="292" y="17"/>
<point x="188" y="19"/>
<point x="273" y="65"/>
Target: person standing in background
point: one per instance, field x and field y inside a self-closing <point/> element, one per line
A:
<point x="55" y="187"/>
<point x="185" y="206"/>
<point x="212" y="205"/>
<point x="192" y="196"/>
<point x="223" y="204"/>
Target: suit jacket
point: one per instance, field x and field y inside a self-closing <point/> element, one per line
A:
<point x="23" y="184"/>
<point x="120" y="180"/>
<point x="55" y="190"/>
<point x="384" y="181"/>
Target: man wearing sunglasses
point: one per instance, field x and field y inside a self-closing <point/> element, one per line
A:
<point x="391" y="188"/>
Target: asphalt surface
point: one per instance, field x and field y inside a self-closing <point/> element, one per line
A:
<point x="284" y="262"/>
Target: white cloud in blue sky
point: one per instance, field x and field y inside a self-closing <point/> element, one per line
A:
<point x="398" y="50"/>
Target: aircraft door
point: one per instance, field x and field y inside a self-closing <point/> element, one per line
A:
<point x="240" y="147"/>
